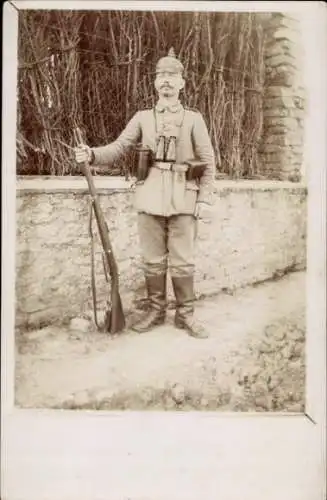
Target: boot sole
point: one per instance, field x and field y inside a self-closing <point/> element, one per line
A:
<point x="181" y="326"/>
<point x="149" y="328"/>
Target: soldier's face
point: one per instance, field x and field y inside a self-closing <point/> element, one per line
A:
<point x="168" y="83"/>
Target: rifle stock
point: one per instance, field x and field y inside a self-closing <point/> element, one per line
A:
<point x="114" y="321"/>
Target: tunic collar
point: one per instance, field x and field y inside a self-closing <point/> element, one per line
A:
<point x="172" y="108"/>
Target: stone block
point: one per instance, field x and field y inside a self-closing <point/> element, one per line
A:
<point x="283" y="19"/>
<point x="284" y="33"/>
<point x="273" y="157"/>
<point x="290" y="124"/>
<point x="280" y="49"/>
<point x="284" y="22"/>
<point x="284" y="140"/>
<point x="280" y="60"/>
<point x="272" y="148"/>
<point x="277" y="102"/>
<point x="276" y="111"/>
<point x="281" y="92"/>
<point x="290" y="47"/>
<point x="283" y="77"/>
<point x="283" y="154"/>
<point x="297" y="113"/>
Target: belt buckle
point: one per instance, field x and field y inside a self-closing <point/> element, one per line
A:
<point x="163" y="165"/>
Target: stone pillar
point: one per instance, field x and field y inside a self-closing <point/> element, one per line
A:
<point x="281" y="150"/>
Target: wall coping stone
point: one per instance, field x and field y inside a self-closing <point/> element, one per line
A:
<point x="103" y="184"/>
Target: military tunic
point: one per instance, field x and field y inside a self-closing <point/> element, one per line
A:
<point x="155" y="194"/>
<point x="166" y="201"/>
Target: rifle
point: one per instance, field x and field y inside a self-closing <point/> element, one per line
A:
<point x="114" y="319"/>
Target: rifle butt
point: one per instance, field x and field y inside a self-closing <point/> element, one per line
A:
<point x="115" y="318"/>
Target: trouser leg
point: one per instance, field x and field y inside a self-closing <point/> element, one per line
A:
<point x="153" y="243"/>
<point x="181" y="242"/>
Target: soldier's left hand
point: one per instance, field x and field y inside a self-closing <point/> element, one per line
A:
<point x="203" y="211"/>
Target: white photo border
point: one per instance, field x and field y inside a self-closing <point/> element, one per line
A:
<point x="68" y="455"/>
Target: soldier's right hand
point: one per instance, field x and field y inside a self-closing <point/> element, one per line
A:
<point x="83" y="153"/>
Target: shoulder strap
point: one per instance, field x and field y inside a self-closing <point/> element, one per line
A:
<point x="187" y="108"/>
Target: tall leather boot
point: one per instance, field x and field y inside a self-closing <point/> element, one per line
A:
<point x="156" y="290"/>
<point x="184" y="316"/>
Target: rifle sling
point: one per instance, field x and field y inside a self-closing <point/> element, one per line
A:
<point x="93" y="285"/>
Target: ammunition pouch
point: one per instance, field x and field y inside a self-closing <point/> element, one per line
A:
<point x="143" y="163"/>
<point x="195" y="169"/>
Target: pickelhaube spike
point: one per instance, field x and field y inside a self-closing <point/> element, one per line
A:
<point x="171" y="52"/>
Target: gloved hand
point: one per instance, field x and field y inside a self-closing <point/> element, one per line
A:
<point x="83" y="153"/>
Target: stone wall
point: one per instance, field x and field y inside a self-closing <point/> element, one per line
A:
<point x="284" y="99"/>
<point x="257" y="231"/>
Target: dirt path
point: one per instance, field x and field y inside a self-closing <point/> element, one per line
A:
<point x="253" y="361"/>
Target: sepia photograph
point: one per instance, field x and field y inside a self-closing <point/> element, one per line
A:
<point x="161" y="211"/>
<point x="165" y="261"/>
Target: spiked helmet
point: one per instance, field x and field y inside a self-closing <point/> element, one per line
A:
<point x="170" y="63"/>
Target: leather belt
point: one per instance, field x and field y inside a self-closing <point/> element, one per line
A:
<point x="174" y="167"/>
<point x="163" y="165"/>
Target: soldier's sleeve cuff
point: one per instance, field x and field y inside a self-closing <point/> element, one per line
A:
<point x="205" y="197"/>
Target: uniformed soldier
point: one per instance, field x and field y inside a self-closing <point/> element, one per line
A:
<point x="168" y="201"/>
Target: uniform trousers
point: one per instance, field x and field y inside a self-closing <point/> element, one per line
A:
<point x="167" y="243"/>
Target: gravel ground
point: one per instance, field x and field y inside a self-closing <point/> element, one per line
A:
<point x="253" y="360"/>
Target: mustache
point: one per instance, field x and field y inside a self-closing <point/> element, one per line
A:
<point x="166" y="85"/>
